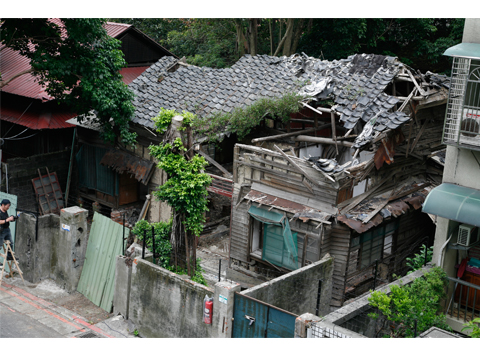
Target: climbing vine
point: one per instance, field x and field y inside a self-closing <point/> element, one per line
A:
<point x="242" y="120"/>
<point x="186" y="188"/>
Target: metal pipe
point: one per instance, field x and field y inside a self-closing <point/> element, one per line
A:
<point x="144" y="242"/>
<point x="153" y="243"/>
<point x="219" y="269"/>
<point x="318" y="297"/>
<point x="123" y="237"/>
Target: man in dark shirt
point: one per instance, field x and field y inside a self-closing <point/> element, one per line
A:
<point x="5" y="221"/>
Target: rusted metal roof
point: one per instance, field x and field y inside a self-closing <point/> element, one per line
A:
<point x="300" y="211"/>
<point x="36" y="118"/>
<point x="121" y="161"/>
<point x="354" y="218"/>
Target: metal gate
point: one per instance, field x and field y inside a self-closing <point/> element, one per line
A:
<point x="255" y="319"/>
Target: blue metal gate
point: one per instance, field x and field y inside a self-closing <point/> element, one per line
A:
<point x="253" y="318"/>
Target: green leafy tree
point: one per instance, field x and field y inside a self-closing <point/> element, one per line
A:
<point x="417" y="303"/>
<point x="472" y="325"/>
<point x="78" y="64"/>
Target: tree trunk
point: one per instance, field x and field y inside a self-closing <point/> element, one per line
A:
<point x="281" y="44"/>
<point x="241" y="41"/>
<point x="287" y="45"/>
<point x="270" y="28"/>
<point x="253" y="25"/>
<point x="298" y="34"/>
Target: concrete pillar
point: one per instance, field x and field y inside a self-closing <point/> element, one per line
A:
<point x="301" y="323"/>
<point x="69" y="252"/>
<point x="471" y="31"/>
<point x="123" y="280"/>
<point x="223" y="300"/>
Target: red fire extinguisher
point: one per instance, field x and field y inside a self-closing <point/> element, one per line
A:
<point x="207" y="309"/>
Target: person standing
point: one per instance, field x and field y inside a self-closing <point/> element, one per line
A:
<point x="5" y="220"/>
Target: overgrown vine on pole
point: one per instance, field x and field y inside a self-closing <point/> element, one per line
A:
<point x="186" y="188"/>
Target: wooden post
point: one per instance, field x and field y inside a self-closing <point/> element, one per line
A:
<point x="236" y="155"/>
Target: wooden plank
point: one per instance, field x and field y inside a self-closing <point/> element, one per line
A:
<point x="214" y="163"/>
<point x="293" y="133"/>
<point x="298" y="167"/>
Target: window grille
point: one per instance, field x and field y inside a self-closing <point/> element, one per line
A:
<point x="462" y="119"/>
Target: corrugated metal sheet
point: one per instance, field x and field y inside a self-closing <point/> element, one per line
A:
<point x="105" y="242"/>
<point x="121" y="162"/>
<point x="300" y="211"/>
<point x="36" y="120"/>
<point x="116" y="29"/>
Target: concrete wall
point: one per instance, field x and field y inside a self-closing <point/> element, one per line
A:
<point x="163" y="304"/>
<point x="297" y="292"/>
<point x="34" y="248"/>
<point x="471" y="31"/>
<point x="52" y="251"/>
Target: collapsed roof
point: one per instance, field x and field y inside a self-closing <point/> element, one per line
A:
<point x="356" y="85"/>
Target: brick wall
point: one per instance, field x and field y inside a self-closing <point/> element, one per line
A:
<point x="21" y="171"/>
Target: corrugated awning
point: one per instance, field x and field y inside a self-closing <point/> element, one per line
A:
<point x="121" y="161"/>
<point x="300" y="211"/>
<point x="454" y="202"/>
<point x="464" y="50"/>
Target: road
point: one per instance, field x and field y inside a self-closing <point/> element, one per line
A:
<point x="25" y="315"/>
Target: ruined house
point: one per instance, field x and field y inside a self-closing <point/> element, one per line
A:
<point x="347" y="175"/>
<point x="354" y="190"/>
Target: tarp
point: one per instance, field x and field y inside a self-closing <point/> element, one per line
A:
<point x="454" y="202"/>
<point x="279" y="229"/>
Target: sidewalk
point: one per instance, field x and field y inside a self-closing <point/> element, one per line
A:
<point x="33" y="308"/>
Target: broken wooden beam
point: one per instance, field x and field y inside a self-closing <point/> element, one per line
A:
<point x="320" y="140"/>
<point x="294" y="133"/>
<point x="214" y="163"/>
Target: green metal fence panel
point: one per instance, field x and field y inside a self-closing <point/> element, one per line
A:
<point x="105" y="242"/>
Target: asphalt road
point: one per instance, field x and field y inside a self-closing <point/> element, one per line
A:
<point x="14" y="324"/>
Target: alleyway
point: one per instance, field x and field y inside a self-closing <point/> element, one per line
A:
<point x="42" y="311"/>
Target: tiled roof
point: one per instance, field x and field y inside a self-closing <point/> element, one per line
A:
<point x="357" y="85"/>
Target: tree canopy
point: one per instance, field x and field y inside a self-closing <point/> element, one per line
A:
<point x="218" y="42"/>
<point x="77" y="63"/>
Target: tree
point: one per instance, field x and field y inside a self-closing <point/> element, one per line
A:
<point x="78" y="64"/>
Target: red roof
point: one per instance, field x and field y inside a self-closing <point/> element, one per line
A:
<point x="36" y="118"/>
<point x="130" y="74"/>
<point x="12" y="63"/>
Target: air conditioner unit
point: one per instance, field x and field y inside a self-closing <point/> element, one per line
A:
<point x="467" y="234"/>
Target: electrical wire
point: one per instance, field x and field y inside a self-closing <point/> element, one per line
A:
<point x="26" y="137"/>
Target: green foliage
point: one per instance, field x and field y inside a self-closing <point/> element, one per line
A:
<point x="242" y="120"/>
<point x="163" y="248"/>
<point x="135" y="332"/>
<point x="418" y="260"/>
<point x="186" y="187"/>
<point x="473" y="326"/>
<point x="420" y="301"/>
<point x="80" y="69"/>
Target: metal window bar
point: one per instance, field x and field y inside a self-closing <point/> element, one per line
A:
<point x="460" y="68"/>
<point x="468" y="305"/>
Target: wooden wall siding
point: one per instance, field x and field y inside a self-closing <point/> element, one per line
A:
<point x="339" y="246"/>
<point x="258" y="165"/>
<point x="239" y="231"/>
<point x="314" y="251"/>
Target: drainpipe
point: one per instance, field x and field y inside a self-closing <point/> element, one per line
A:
<point x="440" y="258"/>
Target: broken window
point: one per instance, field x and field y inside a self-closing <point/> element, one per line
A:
<point x="375" y="244"/>
<point x="272" y="238"/>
